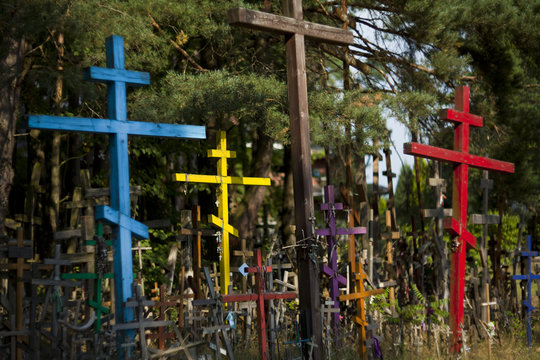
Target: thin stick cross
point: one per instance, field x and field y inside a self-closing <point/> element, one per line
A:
<point x="528" y="303"/>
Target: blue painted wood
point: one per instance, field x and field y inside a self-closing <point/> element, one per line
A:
<point x="528" y="303"/>
<point x="119" y="213"/>
<point x="113" y="217"/>
<point x="131" y="78"/>
<point x="108" y="126"/>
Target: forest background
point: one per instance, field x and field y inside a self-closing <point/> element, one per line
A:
<point x="408" y="58"/>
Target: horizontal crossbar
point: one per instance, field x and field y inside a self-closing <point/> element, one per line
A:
<point x="259" y="20"/>
<point x="99" y="74"/>
<point x="456" y="157"/>
<point x="461" y="117"/>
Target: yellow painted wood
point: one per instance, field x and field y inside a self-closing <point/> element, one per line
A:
<point x="222" y="220"/>
<point x="216" y="179"/>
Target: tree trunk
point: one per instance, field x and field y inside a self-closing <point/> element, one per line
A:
<point x="246" y="214"/>
<point x="11" y="67"/>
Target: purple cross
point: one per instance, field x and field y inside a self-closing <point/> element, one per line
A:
<point x="331" y="232"/>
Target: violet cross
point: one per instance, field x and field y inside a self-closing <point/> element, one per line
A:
<point x="118" y="127"/>
<point x="528" y="303"/>
<point x="331" y="233"/>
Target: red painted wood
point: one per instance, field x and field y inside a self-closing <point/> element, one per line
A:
<point x="457" y="225"/>
<point x="459" y="116"/>
<point x="260" y="296"/>
<point x="440" y="154"/>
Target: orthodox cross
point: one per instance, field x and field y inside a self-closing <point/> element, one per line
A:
<point x="485" y="219"/>
<point x="260" y="297"/>
<point x="295" y="29"/>
<point x="331" y="233"/>
<point x="528" y="303"/>
<point x="118" y="127"/>
<point x="457" y="224"/>
<point x="359" y="296"/>
<point x="222" y="220"/>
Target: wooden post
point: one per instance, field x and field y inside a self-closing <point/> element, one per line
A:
<point x="244" y="253"/>
<point x="390" y="236"/>
<point x="457" y="225"/>
<point x="295" y="29"/>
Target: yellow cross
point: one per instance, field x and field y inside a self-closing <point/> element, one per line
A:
<point x="222" y="220"/>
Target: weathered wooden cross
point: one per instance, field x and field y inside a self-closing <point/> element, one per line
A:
<point x="359" y="296"/>
<point x="331" y="233"/>
<point x="222" y="220"/>
<point x="119" y="128"/>
<point x="528" y="303"/>
<point x="457" y="225"/>
<point x="484" y="219"/>
<point x="295" y="29"/>
<point x="260" y="297"/>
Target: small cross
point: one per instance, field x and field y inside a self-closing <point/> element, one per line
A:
<point x="162" y="305"/>
<point x="260" y="297"/>
<point x="244" y="253"/>
<point x="359" y="295"/>
<point x="528" y="303"/>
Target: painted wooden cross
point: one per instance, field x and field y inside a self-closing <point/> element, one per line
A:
<point x="222" y="220"/>
<point x="359" y="295"/>
<point x="295" y="29"/>
<point x="528" y="303"/>
<point x="119" y="128"/>
<point x="260" y="297"/>
<point x="331" y="233"/>
<point x="457" y="225"/>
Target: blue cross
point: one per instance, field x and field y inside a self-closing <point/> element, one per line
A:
<point x="528" y="277"/>
<point x="119" y="213"/>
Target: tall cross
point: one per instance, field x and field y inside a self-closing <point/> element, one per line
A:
<point x="295" y="29"/>
<point x="457" y="225"/>
<point x="118" y="127"/>
<point x="528" y="303"/>
<point x="331" y="233"/>
<point x="260" y="297"/>
<point x="222" y="220"/>
<point x="359" y="295"/>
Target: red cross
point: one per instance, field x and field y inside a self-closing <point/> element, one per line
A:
<point x="260" y="297"/>
<point x="457" y="225"/>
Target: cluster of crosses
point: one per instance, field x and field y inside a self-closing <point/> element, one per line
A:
<point x="118" y="214"/>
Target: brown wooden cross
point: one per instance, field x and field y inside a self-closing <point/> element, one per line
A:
<point x="457" y="225"/>
<point x="181" y="297"/>
<point x="162" y="305"/>
<point x="244" y="253"/>
<point x="295" y="29"/>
